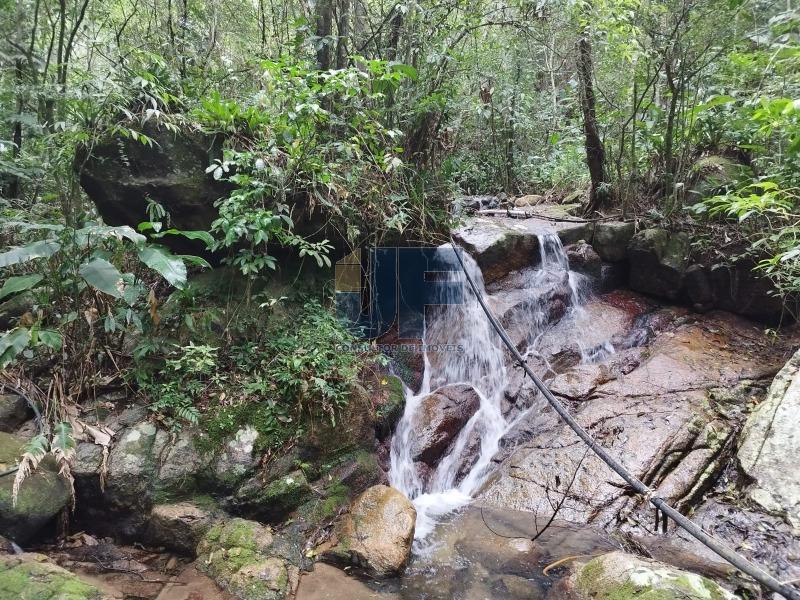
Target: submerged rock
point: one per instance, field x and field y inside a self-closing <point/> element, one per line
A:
<point x="42" y="495"/>
<point x="771" y="444"/>
<point x="439" y="419"/>
<point x="621" y="576"/>
<point x="246" y="560"/>
<point x="658" y="262"/>
<point x="377" y="533"/>
<point x="32" y="577"/>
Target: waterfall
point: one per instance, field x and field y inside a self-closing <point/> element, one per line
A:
<point x="473" y="354"/>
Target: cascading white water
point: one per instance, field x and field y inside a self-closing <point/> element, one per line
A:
<point x="473" y="355"/>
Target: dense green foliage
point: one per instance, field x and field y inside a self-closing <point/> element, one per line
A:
<point x="374" y="116"/>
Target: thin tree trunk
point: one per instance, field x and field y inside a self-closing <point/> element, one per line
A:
<point x="324" y="30"/>
<point x="343" y="26"/>
<point x="595" y="154"/>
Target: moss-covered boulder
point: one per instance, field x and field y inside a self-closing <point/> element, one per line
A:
<point x="14" y="411"/>
<point x="31" y="577"/>
<point x="377" y="533"/>
<point x="658" y="262"/>
<point x="248" y="560"/>
<point x="621" y="576"/>
<point x="272" y="501"/>
<point x="42" y="495"/>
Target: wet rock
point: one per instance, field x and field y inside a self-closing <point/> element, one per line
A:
<point x="42" y="495"/>
<point x="500" y="245"/>
<point x="771" y="444"/>
<point x="439" y="418"/>
<point x="246" y="559"/>
<point x="579" y="382"/>
<point x="656" y="417"/>
<point x="622" y="576"/>
<point x="377" y="533"/>
<point x="611" y="240"/>
<point x="178" y="526"/>
<point x="583" y="259"/>
<point x="32" y="576"/>
<point x="658" y="262"/>
<point x="14" y="411"/>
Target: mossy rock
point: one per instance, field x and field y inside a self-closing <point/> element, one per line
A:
<point x="274" y="501"/>
<point x="31" y="577"/>
<point x="391" y="406"/>
<point x="42" y="495"/>
<point x="243" y="558"/>
<point x="621" y="576"/>
<point x="711" y="175"/>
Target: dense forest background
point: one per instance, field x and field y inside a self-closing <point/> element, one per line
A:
<point x="379" y="114"/>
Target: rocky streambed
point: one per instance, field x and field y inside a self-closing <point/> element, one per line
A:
<point x="688" y="401"/>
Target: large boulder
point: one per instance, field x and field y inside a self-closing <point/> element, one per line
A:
<point x="120" y="175"/>
<point x="179" y="526"/>
<point x="249" y="560"/>
<point x="621" y="576"/>
<point x="377" y="533"/>
<point x="32" y="577"/>
<point x="440" y="418"/>
<point x="611" y="239"/>
<point x="42" y="495"/>
<point x="658" y="262"/>
<point x="771" y="444"/>
<point x="500" y="245"/>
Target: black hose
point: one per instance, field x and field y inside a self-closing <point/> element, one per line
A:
<point x="737" y="560"/>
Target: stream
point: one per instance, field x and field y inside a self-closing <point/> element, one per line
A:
<point x="480" y="361"/>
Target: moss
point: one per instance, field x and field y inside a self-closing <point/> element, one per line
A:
<point x="29" y="578"/>
<point x="287" y="493"/>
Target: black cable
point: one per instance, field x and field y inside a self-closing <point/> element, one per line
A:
<point x="737" y="560"/>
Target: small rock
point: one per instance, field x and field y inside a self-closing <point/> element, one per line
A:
<point x="529" y="200"/>
<point x="376" y="535"/>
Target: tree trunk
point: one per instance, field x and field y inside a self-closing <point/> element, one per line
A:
<point x="595" y="154"/>
<point x="343" y="26"/>
<point x="324" y="30"/>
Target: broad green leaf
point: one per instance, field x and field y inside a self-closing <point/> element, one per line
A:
<point x="19" y="284"/>
<point x="168" y="266"/>
<point x="50" y="338"/>
<point x="103" y="276"/>
<point x="203" y="236"/>
<point x="40" y="249"/>
<point x="62" y="437"/>
<point x="12" y="343"/>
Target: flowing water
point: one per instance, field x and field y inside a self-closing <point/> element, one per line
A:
<point x="462" y="347"/>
